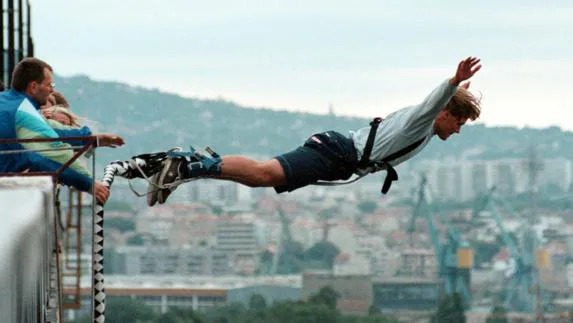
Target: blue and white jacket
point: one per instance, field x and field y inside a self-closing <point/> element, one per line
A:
<point x="20" y="118"/>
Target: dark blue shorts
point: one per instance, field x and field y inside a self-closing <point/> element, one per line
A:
<point x="326" y="156"/>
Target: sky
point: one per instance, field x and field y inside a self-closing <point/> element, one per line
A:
<point x="361" y="58"/>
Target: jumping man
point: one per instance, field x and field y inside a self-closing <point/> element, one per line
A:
<point x="331" y="156"/>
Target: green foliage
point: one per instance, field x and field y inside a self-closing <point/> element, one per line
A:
<point x="257" y="302"/>
<point x="180" y="315"/>
<point x="326" y="296"/>
<point x="294" y="258"/>
<point x="368" y="319"/>
<point x="303" y="312"/>
<point x="498" y="315"/>
<point x="323" y="252"/>
<point x="125" y="310"/>
<point x="320" y="308"/>
<point x="232" y="313"/>
<point x="170" y="317"/>
<point x="450" y="310"/>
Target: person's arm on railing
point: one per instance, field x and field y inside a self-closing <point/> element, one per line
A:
<point x="29" y="125"/>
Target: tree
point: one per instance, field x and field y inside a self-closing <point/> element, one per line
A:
<point x="170" y="317"/>
<point x="125" y="310"/>
<point x="368" y="319"/>
<point x="257" y="302"/>
<point x="450" y="310"/>
<point x="302" y="312"/>
<point x="323" y="253"/>
<point x="234" y="312"/>
<point x="325" y="296"/>
<point x="180" y="315"/>
<point x="235" y="309"/>
<point x="498" y="315"/>
<point x="372" y="310"/>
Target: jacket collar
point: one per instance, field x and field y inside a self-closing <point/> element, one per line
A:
<point x="31" y="99"/>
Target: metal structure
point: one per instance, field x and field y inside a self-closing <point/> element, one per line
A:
<point x="454" y="267"/>
<point x="72" y="249"/>
<point x="284" y="242"/>
<point x="523" y="275"/>
<point x="16" y="36"/>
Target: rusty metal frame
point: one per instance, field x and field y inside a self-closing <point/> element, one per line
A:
<point x="90" y="141"/>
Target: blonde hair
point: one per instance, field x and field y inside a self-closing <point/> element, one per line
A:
<point x="464" y="105"/>
<point x="56" y="112"/>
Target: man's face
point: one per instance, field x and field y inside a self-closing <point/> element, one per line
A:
<point x="40" y="91"/>
<point x="448" y="124"/>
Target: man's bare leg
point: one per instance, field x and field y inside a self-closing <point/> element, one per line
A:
<point x="250" y="172"/>
<point x="238" y="169"/>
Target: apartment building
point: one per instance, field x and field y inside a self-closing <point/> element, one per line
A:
<point x="421" y="263"/>
<point x="236" y="237"/>
<point x="162" y="260"/>
<point x="463" y="179"/>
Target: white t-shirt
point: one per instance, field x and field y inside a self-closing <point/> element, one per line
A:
<point x="405" y="126"/>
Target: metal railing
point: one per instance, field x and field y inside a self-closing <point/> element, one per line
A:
<point x="31" y="275"/>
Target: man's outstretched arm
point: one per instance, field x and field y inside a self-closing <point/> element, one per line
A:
<point x="440" y="96"/>
<point x="103" y="139"/>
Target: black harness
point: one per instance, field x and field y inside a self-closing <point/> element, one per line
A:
<point x="365" y="162"/>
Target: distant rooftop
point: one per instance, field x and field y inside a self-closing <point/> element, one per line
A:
<point x="195" y="282"/>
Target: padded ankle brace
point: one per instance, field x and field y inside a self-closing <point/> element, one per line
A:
<point x="200" y="164"/>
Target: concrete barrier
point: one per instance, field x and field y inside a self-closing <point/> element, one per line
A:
<point x="28" y="281"/>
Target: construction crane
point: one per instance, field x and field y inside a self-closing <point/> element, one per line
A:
<point x="454" y="258"/>
<point x="325" y="215"/>
<point x="523" y="274"/>
<point x="285" y="240"/>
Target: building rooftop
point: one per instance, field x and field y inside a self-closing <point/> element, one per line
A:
<point x="404" y="280"/>
<point x="195" y="282"/>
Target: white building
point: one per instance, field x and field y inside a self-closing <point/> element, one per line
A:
<point x="162" y="260"/>
<point x="237" y="237"/>
<point x="464" y="179"/>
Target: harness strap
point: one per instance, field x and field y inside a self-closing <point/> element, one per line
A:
<point x="391" y="174"/>
<point x="365" y="160"/>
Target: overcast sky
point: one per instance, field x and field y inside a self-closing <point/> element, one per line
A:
<point x="366" y="58"/>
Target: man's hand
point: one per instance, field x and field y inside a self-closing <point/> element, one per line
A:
<point x="109" y="140"/>
<point x="466" y="69"/>
<point x="101" y="193"/>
